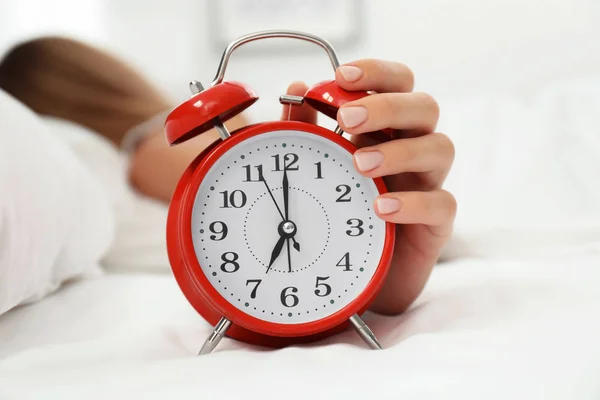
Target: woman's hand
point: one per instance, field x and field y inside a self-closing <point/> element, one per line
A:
<point x="414" y="164"/>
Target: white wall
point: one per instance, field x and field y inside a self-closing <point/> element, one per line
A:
<point x="457" y="48"/>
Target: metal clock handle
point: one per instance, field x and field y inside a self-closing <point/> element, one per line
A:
<point x="269" y="35"/>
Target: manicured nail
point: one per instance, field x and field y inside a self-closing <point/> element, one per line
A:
<point x="350" y="73"/>
<point x="368" y="160"/>
<point x="353" y="116"/>
<point x="387" y="205"/>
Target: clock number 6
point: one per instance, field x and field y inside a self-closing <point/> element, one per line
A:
<point x="327" y="288"/>
<point x="359" y="229"/>
<point x="285" y="296"/>
<point x="231" y="261"/>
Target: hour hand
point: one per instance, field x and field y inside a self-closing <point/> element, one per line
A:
<point x="276" y="251"/>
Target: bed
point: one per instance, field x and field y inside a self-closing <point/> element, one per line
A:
<point x="481" y="330"/>
<point x="512" y="310"/>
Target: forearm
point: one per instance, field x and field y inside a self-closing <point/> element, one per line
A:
<point x="156" y="167"/>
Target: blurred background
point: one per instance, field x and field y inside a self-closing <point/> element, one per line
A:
<point x="458" y="49"/>
<point x="518" y="82"/>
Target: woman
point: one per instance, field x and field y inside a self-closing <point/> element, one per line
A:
<point x="73" y="81"/>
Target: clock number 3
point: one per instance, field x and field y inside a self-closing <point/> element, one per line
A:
<point x="356" y="227"/>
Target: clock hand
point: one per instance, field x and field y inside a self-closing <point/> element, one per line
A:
<point x="289" y="256"/>
<point x="276" y="251"/>
<point x="286" y="187"/>
<point x="271" y="194"/>
<point x="262" y="178"/>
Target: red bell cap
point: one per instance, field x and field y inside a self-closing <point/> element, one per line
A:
<point x="195" y="116"/>
<point x="327" y="97"/>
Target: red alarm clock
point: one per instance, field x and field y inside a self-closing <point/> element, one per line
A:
<point x="271" y="231"/>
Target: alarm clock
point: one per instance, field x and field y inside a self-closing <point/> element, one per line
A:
<point x="271" y="232"/>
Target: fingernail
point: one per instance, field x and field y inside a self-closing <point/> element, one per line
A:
<point x="350" y="73"/>
<point x="353" y="116"/>
<point x="368" y="160"/>
<point x="386" y="205"/>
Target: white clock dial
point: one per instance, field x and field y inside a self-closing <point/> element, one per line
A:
<point x="328" y="247"/>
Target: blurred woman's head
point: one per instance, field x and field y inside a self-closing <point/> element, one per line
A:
<point x="71" y="80"/>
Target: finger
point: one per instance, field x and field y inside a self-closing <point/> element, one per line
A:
<point x="304" y="113"/>
<point x="436" y="209"/>
<point x="375" y="75"/>
<point x="402" y="111"/>
<point x="432" y="155"/>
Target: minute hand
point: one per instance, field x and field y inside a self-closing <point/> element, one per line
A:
<point x="286" y="188"/>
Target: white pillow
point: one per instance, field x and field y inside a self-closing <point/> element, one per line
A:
<point x="140" y="237"/>
<point x="55" y="218"/>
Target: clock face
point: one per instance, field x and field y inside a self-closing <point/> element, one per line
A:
<point x="283" y="227"/>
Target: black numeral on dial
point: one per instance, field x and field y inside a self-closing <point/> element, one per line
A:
<point x="222" y="230"/>
<point x="256" y="282"/>
<point x="250" y="173"/>
<point x="319" y="171"/>
<point x="322" y="289"/>
<point x="356" y="227"/>
<point x="236" y="199"/>
<point x="289" y="161"/>
<point x="289" y="299"/>
<point x="230" y="264"/>
<point x="345" y="262"/>
<point x="344" y="198"/>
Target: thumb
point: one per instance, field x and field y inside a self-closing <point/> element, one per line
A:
<point x="304" y="113"/>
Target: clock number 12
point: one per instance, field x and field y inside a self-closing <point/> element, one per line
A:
<point x="289" y="160"/>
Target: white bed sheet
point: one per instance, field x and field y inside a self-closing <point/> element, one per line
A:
<point x="481" y="330"/>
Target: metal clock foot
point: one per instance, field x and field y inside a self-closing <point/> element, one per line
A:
<point x="215" y="337"/>
<point x="365" y="332"/>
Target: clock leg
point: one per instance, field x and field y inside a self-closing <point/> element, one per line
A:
<point x="365" y="332"/>
<point x="215" y="337"/>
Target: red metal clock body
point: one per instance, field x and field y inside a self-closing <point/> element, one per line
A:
<point x="260" y="272"/>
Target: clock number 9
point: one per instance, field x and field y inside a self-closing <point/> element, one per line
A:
<point x="327" y="289"/>
<point x="231" y="261"/>
<point x="223" y="231"/>
<point x="359" y="229"/>
<point x="285" y="296"/>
